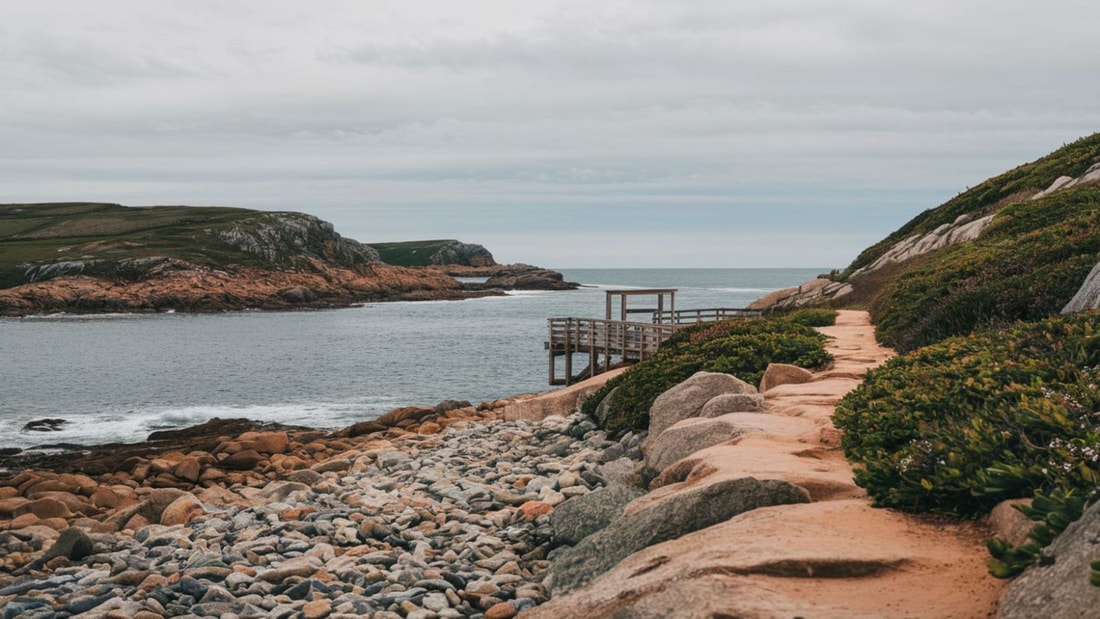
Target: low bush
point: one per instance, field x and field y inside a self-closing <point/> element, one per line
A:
<point x="743" y="348"/>
<point x="962" y="425"/>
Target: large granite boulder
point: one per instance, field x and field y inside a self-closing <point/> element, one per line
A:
<point x="1060" y="589"/>
<point x="584" y="515"/>
<point x="688" y="398"/>
<point x="684" y="439"/>
<point x="691" y="511"/>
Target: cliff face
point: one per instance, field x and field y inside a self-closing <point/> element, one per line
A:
<point x="286" y="238"/>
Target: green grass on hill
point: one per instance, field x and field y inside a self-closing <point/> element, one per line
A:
<point x="47" y="233"/>
<point x="410" y="253"/>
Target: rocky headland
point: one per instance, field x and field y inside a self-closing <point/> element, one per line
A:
<point x="96" y="258"/>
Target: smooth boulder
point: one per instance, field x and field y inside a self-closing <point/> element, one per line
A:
<point x="582" y="516"/>
<point x="684" y="439"/>
<point x="693" y="510"/>
<point x="688" y="398"/>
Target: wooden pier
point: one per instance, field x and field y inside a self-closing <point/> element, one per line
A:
<point x="607" y="342"/>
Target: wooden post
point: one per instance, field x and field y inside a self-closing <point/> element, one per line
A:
<point x="568" y="352"/>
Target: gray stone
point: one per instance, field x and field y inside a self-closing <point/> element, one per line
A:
<point x="582" y="516"/>
<point x="1061" y="589"/>
<point x="688" y="398"/>
<point x="691" y="511"/>
<point x="73" y="544"/>
<point x="733" y="403"/>
<point x="684" y="439"/>
<point x="1088" y="295"/>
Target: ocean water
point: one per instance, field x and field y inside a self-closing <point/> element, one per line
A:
<point x="119" y="377"/>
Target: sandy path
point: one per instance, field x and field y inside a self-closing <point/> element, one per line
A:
<point x="834" y="557"/>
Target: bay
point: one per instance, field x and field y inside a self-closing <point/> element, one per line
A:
<point x="119" y="377"/>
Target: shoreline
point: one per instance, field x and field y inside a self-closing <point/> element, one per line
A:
<point x="391" y="513"/>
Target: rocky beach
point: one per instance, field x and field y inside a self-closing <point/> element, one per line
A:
<point x="443" y="514"/>
<point x="519" y="506"/>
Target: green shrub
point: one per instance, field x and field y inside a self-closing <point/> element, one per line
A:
<point x="1027" y="264"/>
<point x="742" y="348"/>
<point x="961" y="425"/>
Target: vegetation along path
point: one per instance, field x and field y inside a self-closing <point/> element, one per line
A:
<point x="835" y="556"/>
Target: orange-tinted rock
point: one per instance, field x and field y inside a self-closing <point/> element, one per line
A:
<point x="429" y="427"/>
<point x="106" y="498"/>
<point x="7" y="492"/>
<point x="242" y="460"/>
<point x="211" y="475"/>
<point x="188" y="469"/>
<point x="21" y="522"/>
<point x="83" y="484"/>
<point x="9" y="505"/>
<point x="503" y="610"/>
<point x="161" y="465"/>
<point x="181" y="511"/>
<point x="45" y="508"/>
<point x="533" y="509"/>
<point x="76" y="503"/>
<point x="137" y="521"/>
<point x="57" y="524"/>
<point x="266" y="442"/>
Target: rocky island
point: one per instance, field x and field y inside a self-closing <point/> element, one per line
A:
<point x="95" y="258"/>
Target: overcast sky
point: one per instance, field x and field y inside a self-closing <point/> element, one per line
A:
<point x="643" y="133"/>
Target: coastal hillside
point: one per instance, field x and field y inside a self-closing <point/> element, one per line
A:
<point x="92" y="257"/>
<point x="39" y="242"/>
<point x="1014" y="247"/>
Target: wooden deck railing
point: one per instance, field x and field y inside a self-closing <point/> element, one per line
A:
<point x="602" y="340"/>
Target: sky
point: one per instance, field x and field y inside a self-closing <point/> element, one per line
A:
<point x="642" y="133"/>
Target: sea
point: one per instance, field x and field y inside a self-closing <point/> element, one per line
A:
<point x="118" y="377"/>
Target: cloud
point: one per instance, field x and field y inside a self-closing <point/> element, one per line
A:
<point x="833" y="118"/>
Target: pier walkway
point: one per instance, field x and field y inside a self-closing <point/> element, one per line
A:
<point x="604" y="343"/>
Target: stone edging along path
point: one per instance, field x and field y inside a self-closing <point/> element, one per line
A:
<point x="835" y="556"/>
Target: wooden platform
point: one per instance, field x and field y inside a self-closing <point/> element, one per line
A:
<point x="606" y="343"/>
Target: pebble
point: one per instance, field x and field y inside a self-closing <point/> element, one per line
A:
<point x="447" y="525"/>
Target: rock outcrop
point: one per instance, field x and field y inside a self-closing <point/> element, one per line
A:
<point x="526" y="277"/>
<point x="189" y="287"/>
<point x="1088" y="295"/>
<point x="964" y="228"/>
<point x="1059" y="586"/>
<point x="817" y="291"/>
<point x="464" y="254"/>
<point x="288" y="238"/>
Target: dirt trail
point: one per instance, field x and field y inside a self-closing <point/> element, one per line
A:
<point x="834" y="557"/>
